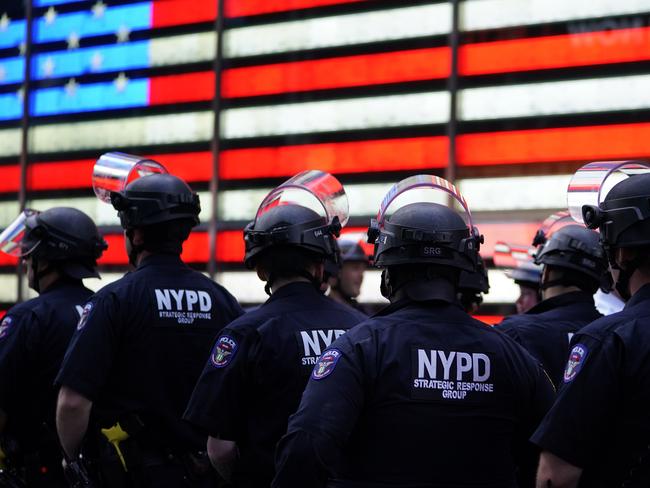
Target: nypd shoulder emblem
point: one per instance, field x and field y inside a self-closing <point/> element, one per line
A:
<point x="326" y="364"/>
<point x="224" y="351"/>
<point x="575" y="362"/>
<point x="85" y="313"/>
<point x="4" y="327"/>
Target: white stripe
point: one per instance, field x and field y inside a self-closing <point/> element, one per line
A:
<point x="188" y="48"/>
<point x="557" y="97"/>
<point x="110" y="134"/>
<point x="491" y="14"/>
<point x="515" y="193"/>
<point x="341" y="30"/>
<point x="9" y="142"/>
<point x="336" y="115"/>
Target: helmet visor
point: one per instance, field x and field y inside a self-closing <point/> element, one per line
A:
<point x="114" y="170"/>
<point x="13" y="239"/>
<point x="316" y="190"/>
<point x="591" y="183"/>
<point x="424" y="188"/>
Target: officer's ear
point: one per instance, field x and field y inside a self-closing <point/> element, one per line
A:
<point x="261" y="273"/>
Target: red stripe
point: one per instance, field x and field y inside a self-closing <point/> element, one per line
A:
<point x="555" y="145"/>
<point x="603" y="47"/>
<point x="489" y="319"/>
<point x="9" y="178"/>
<point x="371" y="69"/>
<point x="343" y="157"/>
<point x="177" y="12"/>
<point x="240" y="8"/>
<point x="190" y="87"/>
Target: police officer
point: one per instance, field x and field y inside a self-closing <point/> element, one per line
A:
<point x="60" y="247"/>
<point x="472" y="286"/>
<point x="420" y="394"/>
<point x="575" y="266"/>
<point x="527" y="276"/>
<point x="596" y="434"/>
<point x="141" y="343"/>
<point x="345" y="286"/>
<point x="261" y="362"/>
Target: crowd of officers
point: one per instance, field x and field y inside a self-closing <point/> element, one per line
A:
<point x="161" y="380"/>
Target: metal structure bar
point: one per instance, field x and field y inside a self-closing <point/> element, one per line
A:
<point x="452" y="87"/>
<point x="24" y="127"/>
<point x="214" y="145"/>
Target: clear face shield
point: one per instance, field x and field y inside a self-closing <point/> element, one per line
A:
<point x="316" y="190"/>
<point x="113" y="171"/>
<point x="590" y="185"/>
<point x="421" y="189"/>
<point x="14" y="240"/>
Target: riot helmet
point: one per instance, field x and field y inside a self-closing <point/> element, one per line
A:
<point x="306" y="212"/>
<point x="564" y="245"/>
<point x="295" y="226"/>
<point x="614" y="197"/>
<point x="518" y="260"/>
<point x="64" y="237"/>
<point x="351" y="250"/>
<point x="417" y="225"/>
<point x="347" y="281"/>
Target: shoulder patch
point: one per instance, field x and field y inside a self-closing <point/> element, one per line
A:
<point x="224" y="351"/>
<point x="4" y="327"/>
<point x="85" y="313"/>
<point x="575" y="362"/>
<point x="326" y="364"/>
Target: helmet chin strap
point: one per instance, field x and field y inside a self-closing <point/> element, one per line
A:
<point x="134" y="249"/>
<point x="38" y="274"/>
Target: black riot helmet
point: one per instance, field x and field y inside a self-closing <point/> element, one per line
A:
<point x="156" y="199"/>
<point x="423" y="245"/>
<point x="614" y="197"/>
<point x="63" y="236"/>
<point x="351" y="250"/>
<point x="143" y="192"/>
<point x="574" y="248"/>
<point x="424" y="232"/>
<point x="305" y="213"/>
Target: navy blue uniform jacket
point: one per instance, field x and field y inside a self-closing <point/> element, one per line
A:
<point x="421" y="395"/>
<point x="258" y="370"/>
<point x="546" y="329"/>
<point x="601" y="419"/>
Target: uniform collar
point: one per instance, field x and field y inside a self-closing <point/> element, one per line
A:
<point x="407" y="302"/>
<point x="561" y="301"/>
<point x="641" y="295"/>
<point x="160" y="259"/>
<point x="62" y="283"/>
<point x="293" y="289"/>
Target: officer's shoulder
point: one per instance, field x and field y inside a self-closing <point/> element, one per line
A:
<point x="343" y="309"/>
<point x="25" y="308"/>
<point x="249" y="323"/>
<point x="615" y="323"/>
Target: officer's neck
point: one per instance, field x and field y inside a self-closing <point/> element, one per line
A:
<point x="142" y="255"/>
<point x="48" y="280"/>
<point x="280" y="282"/>
<point x="638" y="279"/>
<point x="557" y="290"/>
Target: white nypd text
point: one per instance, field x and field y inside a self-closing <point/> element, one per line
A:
<point x="184" y="305"/>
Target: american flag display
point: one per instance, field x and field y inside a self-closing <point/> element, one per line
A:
<point x="357" y="88"/>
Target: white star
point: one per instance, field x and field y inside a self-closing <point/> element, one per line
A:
<point x="73" y="40"/>
<point x="98" y="9"/>
<point x="120" y="82"/>
<point x="22" y="48"/>
<point x="3" y="73"/>
<point x="96" y="61"/>
<point x="71" y="87"/>
<point x="50" y="16"/>
<point x="48" y="67"/>
<point x="123" y="33"/>
<point x="4" y="22"/>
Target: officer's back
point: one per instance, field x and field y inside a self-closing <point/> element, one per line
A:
<point x="262" y="361"/>
<point x="60" y="246"/>
<point x="142" y="341"/>
<point x="420" y="395"/>
<point x="574" y="267"/>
